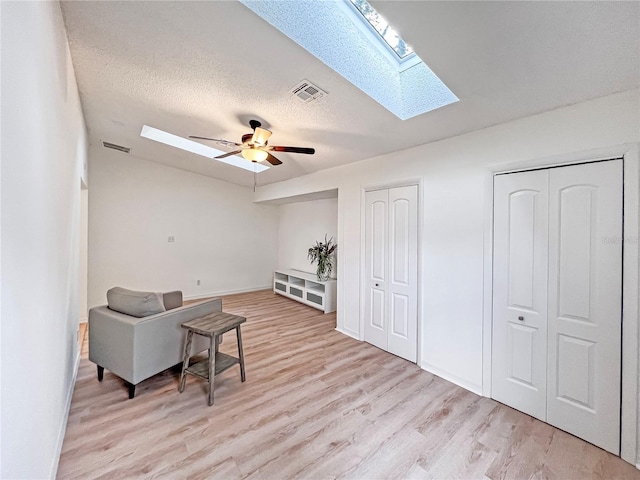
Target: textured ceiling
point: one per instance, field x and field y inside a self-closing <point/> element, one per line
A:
<point x="207" y="68"/>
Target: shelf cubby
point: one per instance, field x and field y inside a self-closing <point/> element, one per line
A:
<point x="281" y="277"/>
<point x="298" y="282"/>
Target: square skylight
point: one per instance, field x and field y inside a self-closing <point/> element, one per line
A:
<point x="382" y="28"/>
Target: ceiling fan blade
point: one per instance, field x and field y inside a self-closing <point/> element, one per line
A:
<point x="308" y="151"/>
<point x="220" y="141"/>
<point x="228" y="154"/>
<point x="273" y="160"/>
<point x="204" y="138"/>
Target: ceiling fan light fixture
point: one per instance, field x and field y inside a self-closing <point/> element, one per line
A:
<point x="260" y="137"/>
<point x="255" y="154"/>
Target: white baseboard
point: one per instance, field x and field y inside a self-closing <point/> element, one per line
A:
<point x="65" y="420"/>
<point x="227" y="292"/>
<point x="348" y="333"/>
<point x="431" y="369"/>
<point x="452" y="378"/>
<point x="434" y="370"/>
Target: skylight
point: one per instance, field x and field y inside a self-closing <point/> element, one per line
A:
<point x="335" y="31"/>
<point x="382" y="27"/>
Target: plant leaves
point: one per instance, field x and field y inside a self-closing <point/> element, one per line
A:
<point x="323" y="254"/>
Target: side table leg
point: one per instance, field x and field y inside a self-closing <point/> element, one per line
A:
<point x="212" y="367"/>
<point x="185" y="360"/>
<point x="243" y="377"/>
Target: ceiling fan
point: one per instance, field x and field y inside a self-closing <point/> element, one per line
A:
<point x="254" y="145"/>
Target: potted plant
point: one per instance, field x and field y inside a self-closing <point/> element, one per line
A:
<point x="324" y="255"/>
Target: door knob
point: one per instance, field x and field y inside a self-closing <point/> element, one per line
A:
<point x="521" y="319"/>
<point x="377" y="285"/>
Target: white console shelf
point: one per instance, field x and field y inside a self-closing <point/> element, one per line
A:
<point x="306" y="288"/>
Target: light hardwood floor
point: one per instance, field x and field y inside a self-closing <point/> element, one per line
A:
<point x="316" y="404"/>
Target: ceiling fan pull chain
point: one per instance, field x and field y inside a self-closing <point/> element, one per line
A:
<point x="255" y="180"/>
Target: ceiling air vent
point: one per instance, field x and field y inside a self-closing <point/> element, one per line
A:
<point x="307" y="91"/>
<point x="120" y="148"/>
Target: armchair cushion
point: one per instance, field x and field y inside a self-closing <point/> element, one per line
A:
<point x="172" y="300"/>
<point x="136" y="304"/>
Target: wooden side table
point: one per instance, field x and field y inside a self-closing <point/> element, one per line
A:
<point x="212" y="326"/>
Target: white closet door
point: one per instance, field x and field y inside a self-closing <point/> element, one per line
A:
<point x="519" y="363"/>
<point x="585" y="295"/>
<point x="403" y="272"/>
<point x="376" y="267"/>
<point x="391" y="270"/>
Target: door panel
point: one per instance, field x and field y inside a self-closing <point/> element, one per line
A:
<point x="521" y="342"/>
<point x="575" y="371"/>
<point x="585" y="309"/>
<point x="519" y="358"/>
<point x="379" y="239"/>
<point x="377" y="308"/>
<point x="522" y="248"/>
<point x="400" y="241"/>
<point x="376" y="265"/>
<point x="575" y="229"/>
<point x="400" y="315"/>
<point x="403" y="263"/>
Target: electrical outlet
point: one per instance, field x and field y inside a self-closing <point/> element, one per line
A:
<point x="171" y="239"/>
<point x="197" y="282"/>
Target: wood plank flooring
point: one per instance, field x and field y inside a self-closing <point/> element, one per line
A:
<point x="317" y="405"/>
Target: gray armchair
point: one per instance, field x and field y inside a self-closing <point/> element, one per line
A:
<point x="136" y="348"/>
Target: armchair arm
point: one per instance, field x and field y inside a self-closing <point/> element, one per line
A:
<point x="111" y="340"/>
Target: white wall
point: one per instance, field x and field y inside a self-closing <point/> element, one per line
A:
<point x="456" y="200"/>
<point x="222" y="238"/>
<point x="43" y="155"/>
<point x="301" y="225"/>
<point x="83" y="256"/>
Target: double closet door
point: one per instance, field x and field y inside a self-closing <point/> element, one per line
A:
<point x="557" y="297"/>
<point x="391" y="270"/>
